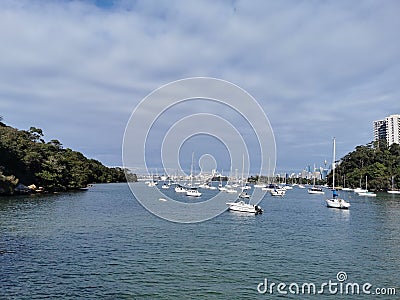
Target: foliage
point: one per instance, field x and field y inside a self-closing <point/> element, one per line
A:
<point x="375" y="162"/>
<point x="25" y="156"/>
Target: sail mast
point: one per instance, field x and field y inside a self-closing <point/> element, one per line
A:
<point x="333" y="163"/>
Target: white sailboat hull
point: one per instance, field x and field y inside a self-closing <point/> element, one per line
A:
<point x="337" y="203"/>
<point x="367" y="194"/>
<point x="393" y="192"/>
<point x="310" y="191"/>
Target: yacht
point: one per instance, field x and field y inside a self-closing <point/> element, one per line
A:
<point x="278" y="192"/>
<point x="180" y="189"/>
<point x="316" y="190"/>
<point x="335" y="201"/>
<point x="241" y="206"/>
<point x="193" y="192"/>
<point x="393" y="190"/>
<point x="365" y="192"/>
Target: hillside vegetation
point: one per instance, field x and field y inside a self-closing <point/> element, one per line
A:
<point x="25" y="158"/>
<point x="375" y="161"/>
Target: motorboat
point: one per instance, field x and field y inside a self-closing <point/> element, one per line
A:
<point x="241" y="206"/>
<point x="193" y="192"/>
<point x="180" y="189"/>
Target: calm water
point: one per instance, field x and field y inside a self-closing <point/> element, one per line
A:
<point x="103" y="244"/>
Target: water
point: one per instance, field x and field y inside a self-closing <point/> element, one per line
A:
<point x="103" y="244"/>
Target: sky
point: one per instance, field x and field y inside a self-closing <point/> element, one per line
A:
<point x="319" y="69"/>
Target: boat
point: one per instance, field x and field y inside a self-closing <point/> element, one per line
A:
<point x="152" y="183"/>
<point x="393" y="190"/>
<point x="244" y="195"/>
<point x="301" y="186"/>
<point x="260" y="185"/>
<point x="192" y="191"/>
<point x="344" y="185"/>
<point x="180" y="189"/>
<point x="241" y="206"/>
<point x="335" y="201"/>
<point x="365" y="192"/>
<point x="165" y="186"/>
<point x="359" y="190"/>
<point x="278" y="192"/>
<point x="315" y="190"/>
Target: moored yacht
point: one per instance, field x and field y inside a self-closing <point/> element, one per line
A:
<point x="241" y="206"/>
<point x="193" y="192"/>
<point x="316" y="190"/>
<point x="335" y="201"/>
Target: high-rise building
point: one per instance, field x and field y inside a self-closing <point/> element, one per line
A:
<point x="379" y="130"/>
<point x="388" y="129"/>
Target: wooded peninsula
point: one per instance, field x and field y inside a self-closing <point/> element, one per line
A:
<point x="30" y="164"/>
<point x="376" y="164"/>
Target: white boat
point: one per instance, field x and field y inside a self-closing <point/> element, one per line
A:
<point x="222" y="188"/>
<point x="301" y="186"/>
<point x="335" y="201"/>
<point x="346" y="189"/>
<point x="244" y="195"/>
<point x="246" y="187"/>
<point x="241" y="206"/>
<point x="365" y="192"/>
<point x="152" y="183"/>
<point x="260" y="185"/>
<point x="193" y="192"/>
<point x="165" y="186"/>
<point x="315" y="190"/>
<point x="231" y="191"/>
<point x="180" y="189"/>
<point x="393" y="190"/>
<point x="359" y="190"/>
<point x="278" y="192"/>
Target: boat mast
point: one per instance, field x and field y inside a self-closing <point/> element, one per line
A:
<point x="191" y="171"/>
<point x="333" y="163"/>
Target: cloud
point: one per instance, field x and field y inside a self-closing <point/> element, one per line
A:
<point x="319" y="69"/>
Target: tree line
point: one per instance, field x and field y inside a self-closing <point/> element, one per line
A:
<point x="26" y="158"/>
<point x="377" y="163"/>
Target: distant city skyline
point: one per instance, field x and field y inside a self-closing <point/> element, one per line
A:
<point x="319" y="69"/>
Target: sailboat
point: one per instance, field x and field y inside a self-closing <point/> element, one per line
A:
<point x="335" y="201"/>
<point x="315" y="189"/>
<point x="344" y="185"/>
<point x="192" y="191"/>
<point x="365" y="192"/>
<point x="393" y="190"/>
<point x="242" y="206"/>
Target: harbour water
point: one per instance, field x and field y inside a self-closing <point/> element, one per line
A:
<point x="102" y="244"/>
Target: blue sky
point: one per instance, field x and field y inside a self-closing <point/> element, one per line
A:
<point x="319" y="69"/>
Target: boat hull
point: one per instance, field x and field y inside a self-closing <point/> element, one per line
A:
<point x="394" y="192"/>
<point x="244" y="207"/>
<point x="337" y="203"/>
